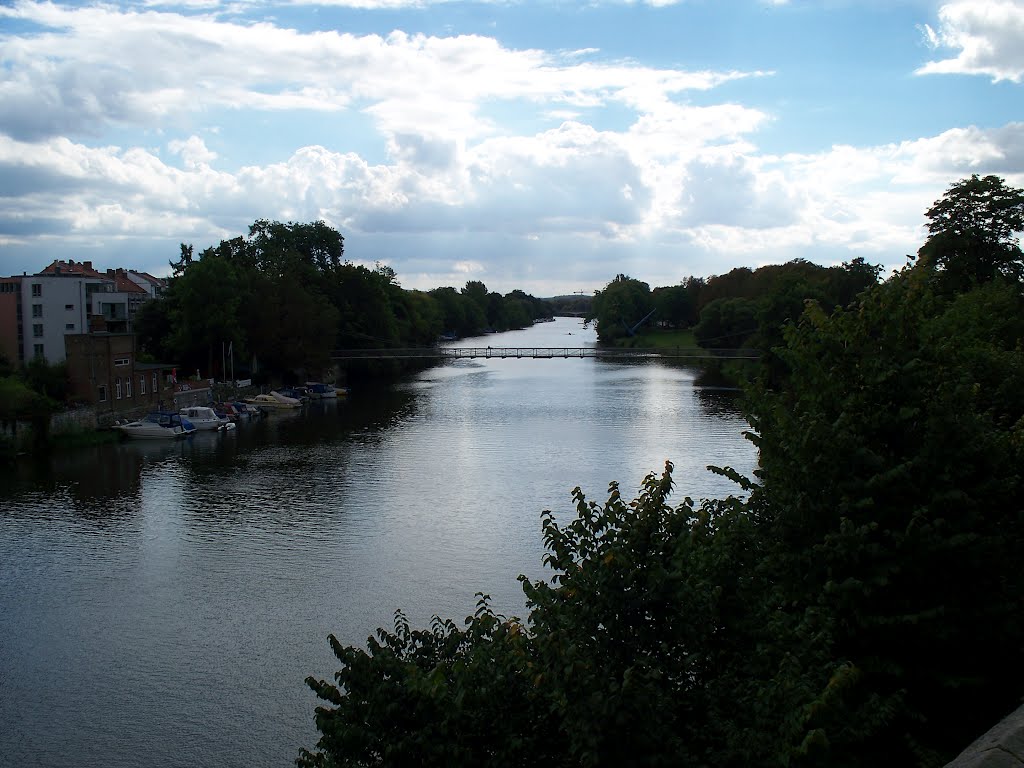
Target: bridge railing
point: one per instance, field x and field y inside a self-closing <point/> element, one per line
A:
<point x="502" y="353"/>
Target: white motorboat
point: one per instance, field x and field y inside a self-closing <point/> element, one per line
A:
<point x="158" y="425"/>
<point x="204" y="418"/>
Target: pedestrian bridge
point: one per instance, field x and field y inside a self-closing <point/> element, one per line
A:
<point x="545" y="353"/>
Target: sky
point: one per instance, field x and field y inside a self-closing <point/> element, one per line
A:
<point x="544" y="146"/>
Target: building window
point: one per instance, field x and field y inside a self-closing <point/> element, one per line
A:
<point x="102" y="393"/>
<point x="37" y="289"/>
<point x="117" y="388"/>
<point x="142" y="385"/>
<point x="69" y="326"/>
<point x="37" y="350"/>
<point x="37" y="310"/>
<point x="69" y="307"/>
<point x="127" y="386"/>
<point x="155" y="381"/>
<point x="121" y="361"/>
<point x="37" y="330"/>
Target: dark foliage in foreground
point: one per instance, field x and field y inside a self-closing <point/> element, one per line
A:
<point x="861" y="604"/>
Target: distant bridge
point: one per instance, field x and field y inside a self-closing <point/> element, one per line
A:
<point x="545" y="353"/>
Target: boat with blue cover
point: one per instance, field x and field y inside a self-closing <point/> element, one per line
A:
<point x="158" y="425"/>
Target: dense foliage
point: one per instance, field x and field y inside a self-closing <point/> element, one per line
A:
<point x="284" y="297"/>
<point x="30" y="393"/>
<point x="862" y="602"/>
<point x="742" y="308"/>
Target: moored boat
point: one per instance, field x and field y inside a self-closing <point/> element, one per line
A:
<point x="319" y="391"/>
<point x="158" y="425"/>
<point x="204" y="418"/>
<point x="274" y="401"/>
<point x="295" y="393"/>
<point x="246" y="410"/>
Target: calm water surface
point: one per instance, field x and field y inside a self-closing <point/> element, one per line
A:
<point x="162" y="604"/>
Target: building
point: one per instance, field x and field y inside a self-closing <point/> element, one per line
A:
<point x="104" y="372"/>
<point x="11" y="329"/>
<point x="69" y="298"/>
<point x="154" y="286"/>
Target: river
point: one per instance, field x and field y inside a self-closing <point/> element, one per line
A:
<point x="162" y="604"/>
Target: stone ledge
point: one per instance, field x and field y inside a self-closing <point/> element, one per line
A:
<point x="1000" y="747"/>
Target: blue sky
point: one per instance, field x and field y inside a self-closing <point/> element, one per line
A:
<point x="541" y="146"/>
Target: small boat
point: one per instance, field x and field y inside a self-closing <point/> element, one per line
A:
<point x="295" y="393"/>
<point x="246" y="410"/>
<point x="158" y="425"/>
<point x="204" y="418"/>
<point x="319" y="391"/>
<point x="274" y="401"/>
<point x="227" y="411"/>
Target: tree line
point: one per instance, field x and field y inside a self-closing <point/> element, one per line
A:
<point x="285" y="296"/>
<point x="742" y="308"/>
<point x="859" y="601"/>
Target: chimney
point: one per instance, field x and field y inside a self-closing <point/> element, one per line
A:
<point x="110" y="273"/>
<point x="87" y="264"/>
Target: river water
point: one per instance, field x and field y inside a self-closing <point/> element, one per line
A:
<point x="162" y="604"/>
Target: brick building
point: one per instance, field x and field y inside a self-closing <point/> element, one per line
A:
<point x="104" y="372"/>
<point x="11" y="328"/>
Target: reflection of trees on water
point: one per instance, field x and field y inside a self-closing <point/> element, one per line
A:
<point x="279" y="458"/>
<point x="288" y="466"/>
<point x="720" y="402"/>
<point x="96" y="482"/>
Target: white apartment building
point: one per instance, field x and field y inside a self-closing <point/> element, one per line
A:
<point x="70" y="298"/>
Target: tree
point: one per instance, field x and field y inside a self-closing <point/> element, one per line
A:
<point x="674" y="306"/>
<point x="305" y="250"/>
<point x="891" y="463"/>
<point x="6" y="366"/>
<point x="972" y="233"/>
<point x="476" y="291"/>
<point x="19" y="401"/>
<point x="205" y="301"/>
<point x="49" y="380"/>
<point x="154" y="328"/>
<point x="630" y="655"/>
<point x="726" y="323"/>
<point x="620" y="306"/>
<point x="418" y="317"/>
<point x="439" y="697"/>
<point x="461" y="315"/>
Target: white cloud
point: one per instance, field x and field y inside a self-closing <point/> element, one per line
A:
<point x="96" y="66"/>
<point x="193" y="151"/>
<point x="989" y="35"/>
<point x="574" y="195"/>
<point x="671" y="188"/>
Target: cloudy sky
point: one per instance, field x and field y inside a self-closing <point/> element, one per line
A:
<point x="538" y="145"/>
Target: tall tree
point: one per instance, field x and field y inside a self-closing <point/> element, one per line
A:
<point x="972" y="232"/>
<point x="620" y="306"/>
<point x="205" y="301"/>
